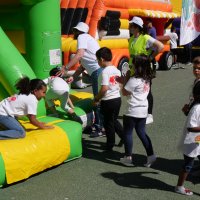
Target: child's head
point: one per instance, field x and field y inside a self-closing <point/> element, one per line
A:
<point x="34" y="86"/>
<point x="196" y="92"/>
<point x="173" y="29"/>
<point x="142" y="67"/>
<point x="54" y="71"/>
<point x="196" y="67"/>
<point x="104" y="55"/>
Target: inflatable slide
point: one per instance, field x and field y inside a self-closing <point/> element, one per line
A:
<point x="30" y="37"/>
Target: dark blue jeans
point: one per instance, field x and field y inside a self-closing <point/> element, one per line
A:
<point x="188" y="163"/>
<point x="94" y="76"/>
<point x="129" y="123"/>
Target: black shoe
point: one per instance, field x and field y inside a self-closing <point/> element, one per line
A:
<point x="76" y="118"/>
<point x="95" y="134"/>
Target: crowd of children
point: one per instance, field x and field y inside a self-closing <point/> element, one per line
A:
<point x="135" y="86"/>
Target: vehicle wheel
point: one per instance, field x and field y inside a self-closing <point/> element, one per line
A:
<point x="123" y="65"/>
<point x="166" y="60"/>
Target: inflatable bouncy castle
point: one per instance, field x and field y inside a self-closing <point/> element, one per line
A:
<point x="108" y="22"/>
<point x="30" y="37"/>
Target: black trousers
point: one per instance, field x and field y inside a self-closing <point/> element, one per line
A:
<point x="110" y="111"/>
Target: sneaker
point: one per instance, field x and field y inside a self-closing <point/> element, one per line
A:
<point x="149" y="119"/>
<point x="127" y="161"/>
<point x="175" y="66"/>
<point x="95" y="134"/>
<point x="150" y="161"/>
<point x="76" y="118"/>
<point x="103" y="133"/>
<point x="188" y="63"/>
<point x="183" y="190"/>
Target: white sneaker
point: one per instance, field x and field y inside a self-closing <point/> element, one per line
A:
<point x="127" y="161"/>
<point x="149" y="119"/>
<point x="150" y="161"/>
<point x="183" y="190"/>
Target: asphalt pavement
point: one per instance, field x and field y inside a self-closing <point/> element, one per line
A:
<point x="100" y="176"/>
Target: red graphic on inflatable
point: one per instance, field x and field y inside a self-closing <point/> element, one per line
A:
<point x="196" y="21"/>
<point x="197" y="3"/>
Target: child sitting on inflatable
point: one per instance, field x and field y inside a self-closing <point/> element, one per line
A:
<point x="59" y="90"/>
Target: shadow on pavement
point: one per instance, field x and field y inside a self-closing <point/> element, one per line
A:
<point x="94" y="149"/>
<point x="137" y="180"/>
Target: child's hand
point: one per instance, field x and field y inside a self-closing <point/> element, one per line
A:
<point x="70" y="79"/>
<point x="95" y="103"/>
<point x="185" y="109"/>
<point x="62" y="71"/>
<point x="48" y="127"/>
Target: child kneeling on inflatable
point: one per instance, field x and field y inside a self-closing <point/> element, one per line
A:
<point x="59" y="90"/>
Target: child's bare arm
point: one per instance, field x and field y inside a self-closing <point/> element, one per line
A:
<point x="35" y="122"/>
<point x="125" y="92"/>
<point x="194" y="129"/>
<point x="70" y="103"/>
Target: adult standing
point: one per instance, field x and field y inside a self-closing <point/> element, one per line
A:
<point x="151" y="29"/>
<point x="86" y="54"/>
<point x="142" y="43"/>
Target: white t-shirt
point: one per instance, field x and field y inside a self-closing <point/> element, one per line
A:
<point x="58" y="89"/>
<point x="173" y="40"/>
<point x="108" y="77"/>
<point x="19" y="105"/>
<point x="90" y="45"/>
<point x="57" y="84"/>
<point x="137" y="102"/>
<point x="190" y="148"/>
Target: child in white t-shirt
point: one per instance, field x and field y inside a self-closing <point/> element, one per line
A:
<point x="196" y="72"/>
<point x="109" y="96"/>
<point x="136" y="90"/>
<point x="190" y="141"/>
<point x="59" y="90"/>
<point x="173" y="42"/>
<point x="22" y="104"/>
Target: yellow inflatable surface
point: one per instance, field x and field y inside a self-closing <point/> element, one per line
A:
<point x="39" y="150"/>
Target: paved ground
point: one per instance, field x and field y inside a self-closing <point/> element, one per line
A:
<point x="100" y="176"/>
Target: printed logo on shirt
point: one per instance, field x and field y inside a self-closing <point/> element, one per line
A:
<point x="146" y="87"/>
<point x="12" y="98"/>
<point x="112" y="80"/>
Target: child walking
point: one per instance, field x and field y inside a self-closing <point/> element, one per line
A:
<point x="22" y="104"/>
<point x="109" y="95"/>
<point x="59" y="90"/>
<point x="196" y="73"/>
<point x="136" y="90"/>
<point x="190" y="141"/>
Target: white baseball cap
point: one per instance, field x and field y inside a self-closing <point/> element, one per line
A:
<point x="138" y="21"/>
<point x="83" y="27"/>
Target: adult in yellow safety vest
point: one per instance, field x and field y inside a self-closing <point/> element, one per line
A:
<point x="142" y="43"/>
